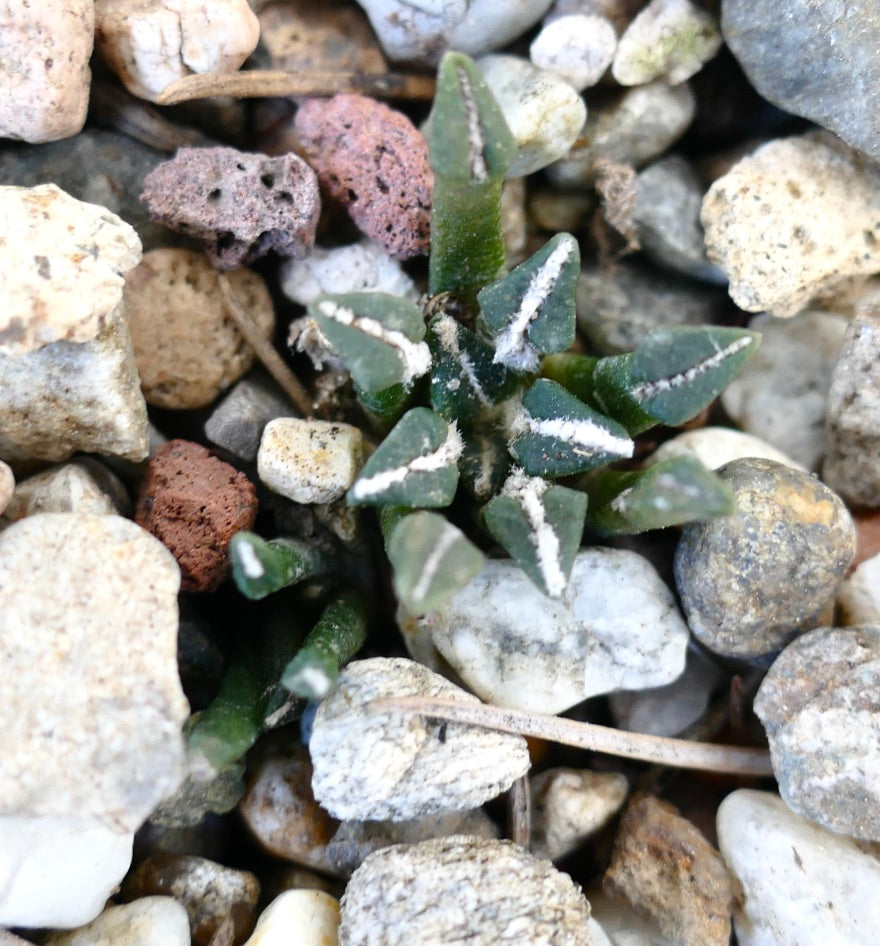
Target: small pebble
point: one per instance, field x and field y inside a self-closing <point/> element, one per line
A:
<point x="799" y="883"/>
<point x="632" y="128"/>
<point x="422" y="33"/>
<point x="187" y="347"/>
<point x="819" y="704"/>
<point x="616" y="628"/>
<point x="7" y="486"/>
<point x="45" y="50"/>
<point x="236" y="424"/>
<point x="153" y="43"/>
<point x="716" y="446"/>
<point x="664" y="867"/>
<point x="544" y="113"/>
<point x="208" y="891"/>
<point x="669" y="39"/>
<point x="795" y="218"/>
<point x="374" y="161"/>
<point x="310" y="461"/>
<point x="358" y="267"/>
<point x="238" y="205"/>
<point x="852" y="458"/>
<point x="578" y="48"/>
<point x="621" y="925"/>
<point x="571" y="805"/>
<point x="372" y="765"/>
<point x="462" y="890"/>
<point x="618" y="308"/>
<point x="781" y="395"/>
<point x="667" y="213"/>
<point x="304" y="917"/>
<point x="151" y="921"/>
<point x="280" y="811"/>
<point x="194" y="503"/>
<point x="82" y="485"/>
<point x="859" y="597"/>
<point x="554" y="210"/>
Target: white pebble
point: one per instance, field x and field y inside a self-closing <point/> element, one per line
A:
<point x="577" y="48"/>
<point x="7" y="486"/>
<point x="303" y="917"/>
<point x="859" y="595"/>
<point x="309" y="461"/>
<point x="79" y="486"/>
<point x="150" y="921"/>
<point x="715" y="446"/>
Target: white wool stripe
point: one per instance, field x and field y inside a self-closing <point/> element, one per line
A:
<point x="512" y="347"/>
<point x="476" y="141"/>
<point x="652" y="388"/>
<point x="447" y="330"/>
<point x="584" y="433"/>
<point x="446" y="454"/>
<point x="447" y="539"/>
<point x="528" y="491"/>
<point x="415" y="356"/>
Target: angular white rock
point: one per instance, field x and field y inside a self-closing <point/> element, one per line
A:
<point x="462" y="890"/>
<point x="7" y="486"/>
<point x="797" y="217"/>
<point x="617" y="627"/>
<point x="577" y="48"/>
<point x="304" y="917"/>
<point x="715" y="446"/>
<point x="423" y="31"/>
<point x="45" y="49"/>
<point x="58" y="871"/>
<point x="82" y="485"/>
<point x="373" y="765"/>
<point x="358" y="267"/>
<point x="91" y="716"/>
<point x="151" y="43"/>
<point x="799" y="882"/>
<point x="544" y="113"/>
<point x="309" y="461"/>
<point x="150" y="921"/>
<point x="669" y="39"/>
<point x="859" y="595"/>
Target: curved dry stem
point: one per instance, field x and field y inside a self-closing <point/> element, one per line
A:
<point x="677" y="753"/>
<point x="268" y="83"/>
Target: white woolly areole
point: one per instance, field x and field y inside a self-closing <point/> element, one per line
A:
<point x="476" y="142"/>
<point x="528" y="491"/>
<point x="448" y="538"/>
<point x="512" y="347"/>
<point x="446" y="329"/>
<point x="445" y="455"/>
<point x="586" y="434"/>
<point x="414" y="356"/>
<point x="652" y="388"/>
<point x="250" y="563"/>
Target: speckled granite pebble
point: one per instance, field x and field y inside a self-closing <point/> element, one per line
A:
<point x="194" y="503"/>
<point x="820" y="705"/>
<point x="462" y="889"/>
<point x="151" y="921"/>
<point x="388" y="765"/>
<point x="670" y="873"/>
<point x="751" y="581"/>
<point x="238" y="205"/>
<point x="374" y="161"/>
<point x="188" y="349"/>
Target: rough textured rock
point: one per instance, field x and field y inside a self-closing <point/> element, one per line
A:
<point x="820" y="706"/>
<point x="45" y="50"/>
<point x="372" y="765"/>
<point x="544" y="113"/>
<point x="194" y="503"/>
<point x="310" y="461"/>
<point x="188" y="349"/>
<point x="669" y="39"/>
<point x="799" y="883"/>
<point x="83" y="485"/>
<point x="152" y="921"/>
<point x="852" y="460"/>
<point x="859" y="595"/>
<point x="236" y="424"/>
<point x="616" y="628"/>
<point x="795" y="218"/>
<point x="309" y="917"/>
<point x="238" y="205"/>
<point x="669" y="872"/>
<point x="423" y="32"/>
<point x="152" y="43"/>
<point x="815" y="61"/>
<point x="716" y="446"/>
<point x="462" y="889"/>
<point x="781" y="394"/>
<point x="751" y="581"/>
<point x="374" y="161"/>
<point x="208" y="891"/>
<point x="578" y="48"/>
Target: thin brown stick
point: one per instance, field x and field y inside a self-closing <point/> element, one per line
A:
<point x="267" y="83"/>
<point x="677" y="753"/>
<point x="519" y="812"/>
<point x="270" y="358"/>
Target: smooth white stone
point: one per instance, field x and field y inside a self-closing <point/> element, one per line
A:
<point x="859" y="595"/>
<point x="577" y="48"/>
<point x="800" y="883"/>
<point x="621" y="925"/>
<point x="617" y="627"/>
<point x="150" y="921"/>
<point x="303" y="917"/>
<point x="7" y="486"/>
<point x="715" y="446"/>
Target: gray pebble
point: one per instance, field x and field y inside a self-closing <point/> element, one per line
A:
<point x="751" y="581"/>
<point x="820" y="705"/>
<point x="396" y="766"/>
<point x="462" y="890"/>
<point x="237" y="422"/>
<point x="82" y="485"/>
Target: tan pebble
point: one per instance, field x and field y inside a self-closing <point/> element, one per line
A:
<point x="304" y="917"/>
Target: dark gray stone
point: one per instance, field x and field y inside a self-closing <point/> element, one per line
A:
<point x="237" y="422"/>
